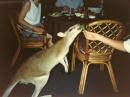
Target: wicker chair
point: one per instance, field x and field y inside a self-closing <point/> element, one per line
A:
<point x="28" y="43"/>
<point x="96" y="52"/>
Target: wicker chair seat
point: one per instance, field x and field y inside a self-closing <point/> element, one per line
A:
<point x="96" y="52"/>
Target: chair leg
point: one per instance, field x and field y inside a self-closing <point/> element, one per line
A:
<point x="111" y="73"/>
<point x="15" y="57"/>
<point x="44" y="43"/>
<point x="101" y="67"/>
<point x="73" y="60"/>
<point x="83" y="78"/>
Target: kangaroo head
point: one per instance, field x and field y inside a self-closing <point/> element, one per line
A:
<point x="72" y="31"/>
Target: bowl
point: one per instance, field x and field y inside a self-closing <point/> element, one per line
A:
<point x="78" y="14"/>
<point x="95" y="9"/>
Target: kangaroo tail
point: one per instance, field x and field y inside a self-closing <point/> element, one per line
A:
<point x="46" y="96"/>
<point x="10" y="88"/>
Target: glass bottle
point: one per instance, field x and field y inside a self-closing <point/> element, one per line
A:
<point x="102" y="7"/>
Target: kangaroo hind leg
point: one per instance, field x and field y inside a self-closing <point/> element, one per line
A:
<point x="40" y="82"/>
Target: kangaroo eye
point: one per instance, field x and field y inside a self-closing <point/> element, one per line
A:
<point x="71" y="29"/>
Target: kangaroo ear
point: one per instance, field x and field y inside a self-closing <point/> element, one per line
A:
<point x="61" y="34"/>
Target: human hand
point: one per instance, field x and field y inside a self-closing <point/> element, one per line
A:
<point x="39" y="30"/>
<point x="42" y="26"/>
<point x="91" y="35"/>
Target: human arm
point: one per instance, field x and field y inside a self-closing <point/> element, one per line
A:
<point x="113" y="43"/>
<point x="81" y="3"/>
<point x="24" y="10"/>
<point x="58" y="3"/>
<point x="61" y="5"/>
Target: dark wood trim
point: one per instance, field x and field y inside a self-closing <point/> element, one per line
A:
<point x="9" y="1"/>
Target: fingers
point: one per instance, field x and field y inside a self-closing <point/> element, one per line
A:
<point x="42" y="30"/>
<point x="91" y="35"/>
<point x="86" y="32"/>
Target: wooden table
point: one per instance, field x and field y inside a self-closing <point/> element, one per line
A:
<point x="61" y="24"/>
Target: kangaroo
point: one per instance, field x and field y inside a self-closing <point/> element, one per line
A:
<point x="37" y="68"/>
